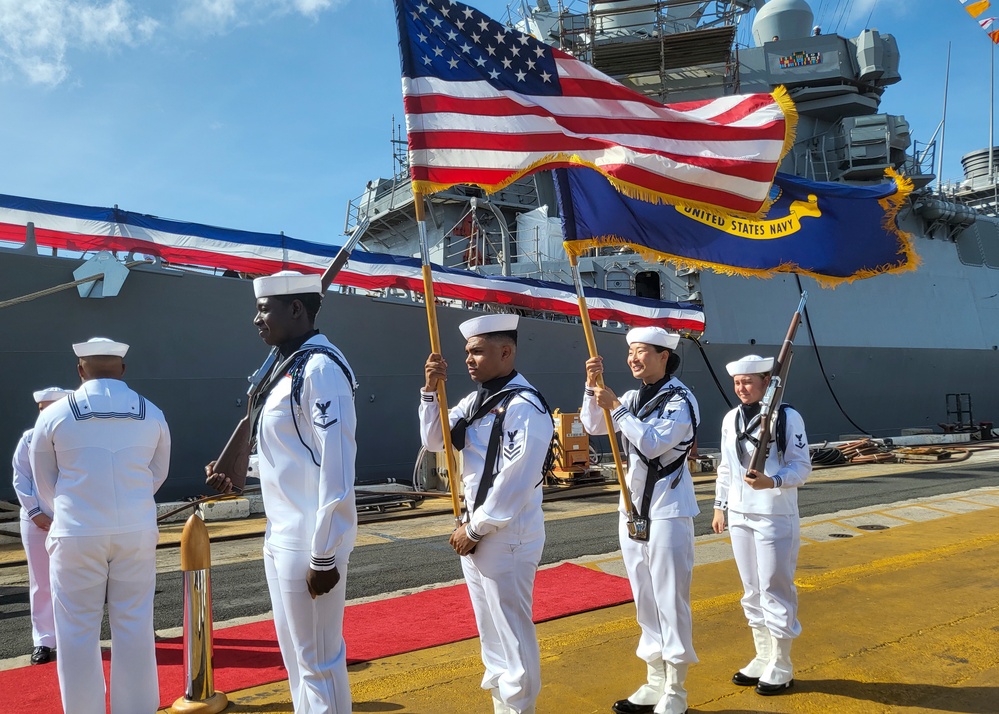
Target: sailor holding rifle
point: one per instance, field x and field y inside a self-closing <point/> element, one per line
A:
<point x="763" y="521"/>
<point x="98" y="457"/>
<point x="503" y="430"/>
<point x="35" y="523"/>
<point x="658" y="424"/>
<point x="304" y="422"/>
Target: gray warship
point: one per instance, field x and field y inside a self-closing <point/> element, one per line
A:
<point x="877" y="356"/>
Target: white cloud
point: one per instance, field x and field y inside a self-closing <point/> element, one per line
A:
<point x="36" y="34"/>
<point x="209" y="14"/>
<point x="312" y="7"/>
<point x="223" y="15"/>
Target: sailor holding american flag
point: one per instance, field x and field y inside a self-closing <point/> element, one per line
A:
<point x="503" y="430"/>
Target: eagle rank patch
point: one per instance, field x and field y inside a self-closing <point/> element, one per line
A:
<point x="320" y="417"/>
<point x="513" y="444"/>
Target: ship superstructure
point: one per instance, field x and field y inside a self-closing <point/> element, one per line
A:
<point x="871" y="342"/>
<point x="876" y="356"/>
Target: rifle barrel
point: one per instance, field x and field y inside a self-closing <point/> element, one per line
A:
<point x="774" y="394"/>
<point x="341" y="257"/>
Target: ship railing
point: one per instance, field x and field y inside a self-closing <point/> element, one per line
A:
<point x="531" y="254"/>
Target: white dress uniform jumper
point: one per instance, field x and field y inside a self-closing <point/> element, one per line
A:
<point x="33" y="538"/>
<point x="306" y="449"/>
<point x="98" y="458"/>
<point x="659" y="434"/>
<point x="500" y="572"/>
<point x="764" y="529"/>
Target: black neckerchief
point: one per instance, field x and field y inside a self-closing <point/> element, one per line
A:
<point x="489" y="388"/>
<point x="485" y="391"/>
<point x="647" y="391"/>
<point x="746" y="422"/>
<point x="749" y="411"/>
<point x="290" y="347"/>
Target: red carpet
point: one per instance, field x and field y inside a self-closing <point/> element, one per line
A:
<point x="248" y="655"/>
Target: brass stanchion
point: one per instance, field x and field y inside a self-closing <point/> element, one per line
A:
<point x="200" y="696"/>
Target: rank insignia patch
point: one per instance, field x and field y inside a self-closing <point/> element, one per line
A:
<point x="320" y="417"/>
<point x="513" y="445"/>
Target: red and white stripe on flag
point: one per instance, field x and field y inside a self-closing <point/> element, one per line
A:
<point x="486" y="104"/>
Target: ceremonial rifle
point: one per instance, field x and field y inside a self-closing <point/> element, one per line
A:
<point x="772" y="397"/>
<point x="235" y="457"/>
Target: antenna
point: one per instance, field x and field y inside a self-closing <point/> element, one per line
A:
<point x="943" y="122"/>
<point x="992" y="88"/>
<point x="400" y="149"/>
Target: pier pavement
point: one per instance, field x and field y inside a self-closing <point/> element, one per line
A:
<point x="899" y="604"/>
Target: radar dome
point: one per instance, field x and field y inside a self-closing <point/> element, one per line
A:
<point x="783" y="19"/>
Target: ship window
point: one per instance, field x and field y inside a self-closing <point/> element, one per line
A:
<point x="969" y="250"/>
<point x="647" y="285"/>
<point x="988" y="239"/>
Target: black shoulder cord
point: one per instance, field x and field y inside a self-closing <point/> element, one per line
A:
<point x="297" y="372"/>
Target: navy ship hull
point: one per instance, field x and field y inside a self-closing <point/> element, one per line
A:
<point x="891" y="347"/>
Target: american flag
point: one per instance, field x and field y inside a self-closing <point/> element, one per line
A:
<point x="486" y="104"/>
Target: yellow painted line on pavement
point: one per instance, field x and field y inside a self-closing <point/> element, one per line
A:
<point x="901" y="620"/>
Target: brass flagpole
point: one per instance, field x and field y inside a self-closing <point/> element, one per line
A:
<point x="435" y="346"/>
<point x="591" y="344"/>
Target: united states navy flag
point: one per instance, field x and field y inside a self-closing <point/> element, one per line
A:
<point x="832" y="232"/>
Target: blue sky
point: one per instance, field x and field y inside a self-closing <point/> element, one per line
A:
<point x="269" y="115"/>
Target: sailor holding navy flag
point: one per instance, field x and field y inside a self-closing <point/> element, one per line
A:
<point x="658" y="424"/>
<point x="304" y="424"/>
<point x="503" y="430"/>
<point x="98" y="457"/>
<point x="763" y="521"/>
<point x="35" y="523"/>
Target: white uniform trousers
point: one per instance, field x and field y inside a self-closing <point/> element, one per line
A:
<point x="85" y="570"/>
<point x="309" y="632"/>
<point x="500" y="579"/>
<point x="766" y="553"/>
<point x="660" y="571"/>
<point x="39" y="591"/>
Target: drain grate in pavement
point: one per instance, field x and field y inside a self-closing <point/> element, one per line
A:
<point x="873" y="527"/>
<point x="841" y="535"/>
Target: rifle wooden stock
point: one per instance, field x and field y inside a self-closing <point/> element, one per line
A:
<point x="772" y="398"/>
<point x="235" y="457"/>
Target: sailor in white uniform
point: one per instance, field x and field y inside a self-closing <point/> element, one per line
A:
<point x="35" y="522"/>
<point x="98" y="457"/>
<point x="304" y="424"/>
<point x="658" y="423"/>
<point x="502" y="470"/>
<point x="763" y="522"/>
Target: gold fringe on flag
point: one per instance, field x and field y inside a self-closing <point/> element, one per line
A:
<point x="890" y="205"/>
